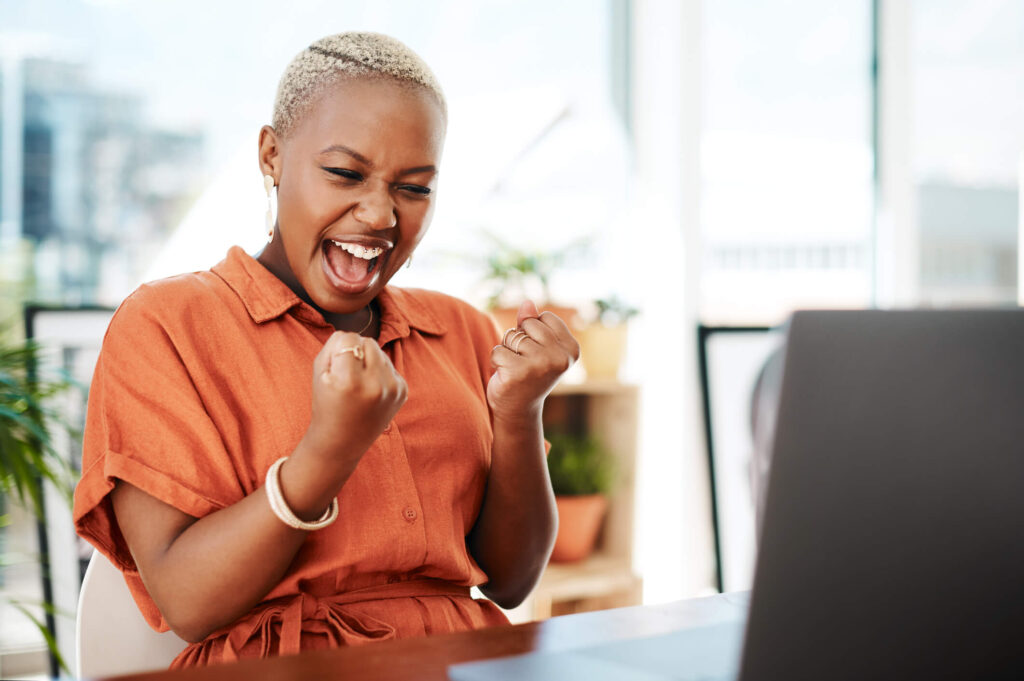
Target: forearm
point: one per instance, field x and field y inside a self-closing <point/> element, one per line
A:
<point x="516" y="527"/>
<point x="221" y="566"/>
<point x="209" y="572"/>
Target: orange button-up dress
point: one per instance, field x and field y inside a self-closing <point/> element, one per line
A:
<point x="205" y="380"/>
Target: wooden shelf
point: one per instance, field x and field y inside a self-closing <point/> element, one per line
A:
<point x="592" y="387"/>
<point x="599" y="575"/>
<point x="597" y="583"/>
<point x="608" y="410"/>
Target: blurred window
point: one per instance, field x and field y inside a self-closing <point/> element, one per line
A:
<point x="967" y="70"/>
<point x="786" y="159"/>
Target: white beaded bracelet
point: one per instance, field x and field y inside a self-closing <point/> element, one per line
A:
<point x="280" y="507"/>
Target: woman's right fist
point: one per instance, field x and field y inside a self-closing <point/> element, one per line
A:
<point x="356" y="393"/>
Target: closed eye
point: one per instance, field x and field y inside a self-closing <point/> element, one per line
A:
<point x="415" y="189"/>
<point x="344" y="172"/>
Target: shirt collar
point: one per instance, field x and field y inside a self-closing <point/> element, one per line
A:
<point x="266" y="297"/>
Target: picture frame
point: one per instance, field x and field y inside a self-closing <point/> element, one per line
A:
<point x="71" y="338"/>
<point x="731" y="359"/>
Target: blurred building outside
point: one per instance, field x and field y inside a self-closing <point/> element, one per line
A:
<point x="90" y="190"/>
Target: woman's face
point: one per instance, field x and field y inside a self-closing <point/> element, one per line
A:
<point x="356" y="188"/>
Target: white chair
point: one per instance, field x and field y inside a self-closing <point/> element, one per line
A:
<point x="112" y="636"/>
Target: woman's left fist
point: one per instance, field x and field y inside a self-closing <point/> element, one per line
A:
<point x="528" y="363"/>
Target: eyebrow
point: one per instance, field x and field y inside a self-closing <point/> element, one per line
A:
<point x="365" y="161"/>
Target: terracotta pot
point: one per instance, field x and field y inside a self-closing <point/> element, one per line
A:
<point x="579" y="519"/>
<point x="506" y="316"/>
<point x="601" y="349"/>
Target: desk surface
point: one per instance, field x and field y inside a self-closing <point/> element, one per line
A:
<point x="428" y="659"/>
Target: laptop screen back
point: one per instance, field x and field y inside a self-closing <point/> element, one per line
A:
<point x="893" y="541"/>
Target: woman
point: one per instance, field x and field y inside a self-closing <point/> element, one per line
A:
<point x="284" y="453"/>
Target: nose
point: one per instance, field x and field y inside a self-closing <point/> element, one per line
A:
<point x="375" y="209"/>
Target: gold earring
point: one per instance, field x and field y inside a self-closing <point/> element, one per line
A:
<point x="268" y="184"/>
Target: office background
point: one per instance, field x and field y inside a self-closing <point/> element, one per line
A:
<point x="725" y="161"/>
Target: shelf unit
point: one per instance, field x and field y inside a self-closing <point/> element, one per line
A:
<point x="609" y="410"/>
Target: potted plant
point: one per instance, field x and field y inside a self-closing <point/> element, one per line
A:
<point x="27" y="453"/>
<point x="512" y="275"/>
<point x="603" y="341"/>
<point x="581" y="470"/>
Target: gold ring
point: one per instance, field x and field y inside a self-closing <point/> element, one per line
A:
<point x="356" y="350"/>
<point x="518" y="340"/>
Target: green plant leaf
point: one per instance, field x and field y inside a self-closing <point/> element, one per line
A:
<point x="51" y="642"/>
<point x="579" y="464"/>
<point x="27" y="453"/>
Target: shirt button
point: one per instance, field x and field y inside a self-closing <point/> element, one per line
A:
<point x="387" y="428"/>
<point x="410" y="514"/>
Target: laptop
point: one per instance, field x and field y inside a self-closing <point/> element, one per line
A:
<point x="893" y="536"/>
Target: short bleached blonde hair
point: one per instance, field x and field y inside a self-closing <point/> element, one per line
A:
<point x="344" y="56"/>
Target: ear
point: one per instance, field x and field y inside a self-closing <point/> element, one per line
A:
<point x="270" y="153"/>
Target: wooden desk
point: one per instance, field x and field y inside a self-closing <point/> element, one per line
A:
<point x="428" y="659"/>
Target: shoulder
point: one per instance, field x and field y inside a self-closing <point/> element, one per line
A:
<point x="463" y="333"/>
<point x="446" y="309"/>
<point x="442" y="305"/>
<point x="170" y="306"/>
<point x="451" y="314"/>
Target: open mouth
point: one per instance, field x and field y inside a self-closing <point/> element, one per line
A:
<point x="353" y="264"/>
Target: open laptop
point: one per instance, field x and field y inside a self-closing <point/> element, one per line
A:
<point x="893" y="537"/>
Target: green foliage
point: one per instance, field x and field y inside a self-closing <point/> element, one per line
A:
<point x="27" y="454"/>
<point x="40" y="626"/>
<point x="612" y="311"/>
<point x="515" y="274"/>
<point x="579" y="464"/>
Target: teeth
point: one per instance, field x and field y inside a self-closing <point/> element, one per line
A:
<point x="358" y="251"/>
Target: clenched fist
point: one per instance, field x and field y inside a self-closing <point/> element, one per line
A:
<point x="526" y="372"/>
<point x="356" y="393"/>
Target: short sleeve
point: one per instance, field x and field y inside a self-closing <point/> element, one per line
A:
<point x="146" y="425"/>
